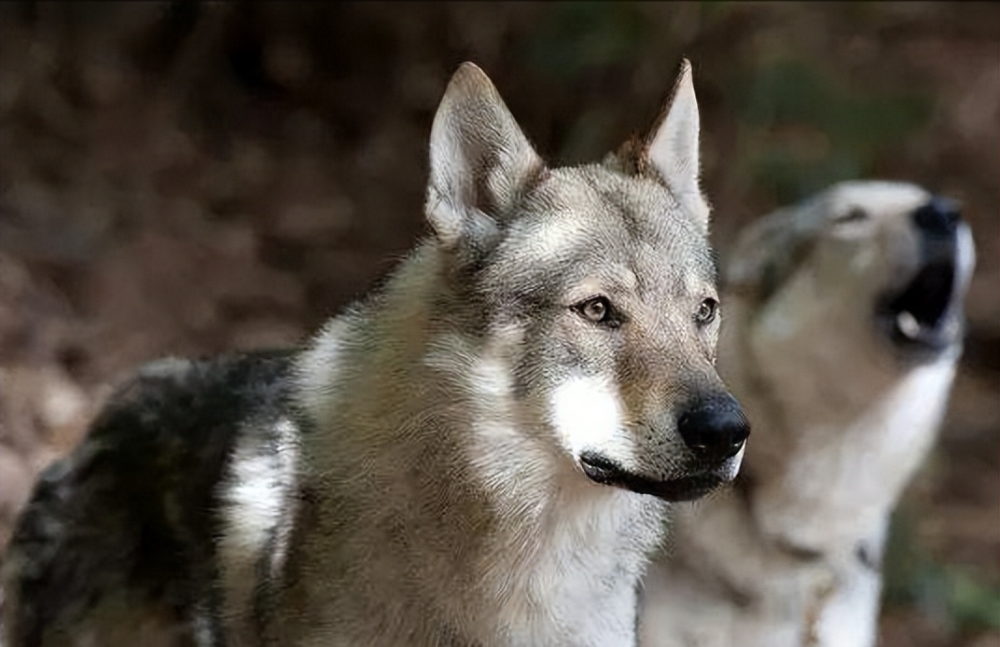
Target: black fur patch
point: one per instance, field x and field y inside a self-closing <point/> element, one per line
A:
<point x="133" y="510"/>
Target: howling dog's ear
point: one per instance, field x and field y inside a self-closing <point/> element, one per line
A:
<point x="768" y="252"/>
<point x="480" y="161"/>
<point x="671" y="147"/>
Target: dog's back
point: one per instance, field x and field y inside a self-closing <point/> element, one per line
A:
<point x="129" y="520"/>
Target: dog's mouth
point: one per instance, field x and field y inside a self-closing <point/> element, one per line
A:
<point x="923" y="316"/>
<point x="606" y="472"/>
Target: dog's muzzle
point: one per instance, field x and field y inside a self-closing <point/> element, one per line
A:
<point x="924" y="317"/>
<point x="714" y="429"/>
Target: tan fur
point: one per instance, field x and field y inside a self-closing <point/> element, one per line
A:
<point x="843" y="417"/>
<point x="480" y="454"/>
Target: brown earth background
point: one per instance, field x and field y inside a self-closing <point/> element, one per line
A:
<point x="185" y="177"/>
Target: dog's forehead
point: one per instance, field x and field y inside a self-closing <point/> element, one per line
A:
<point x="620" y="213"/>
<point x="878" y="199"/>
<point x="629" y="230"/>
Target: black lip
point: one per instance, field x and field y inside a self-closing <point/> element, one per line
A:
<point x="928" y="303"/>
<point x="606" y="472"/>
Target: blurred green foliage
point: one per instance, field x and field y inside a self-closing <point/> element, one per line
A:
<point x="947" y="594"/>
<point x="800" y="127"/>
<point x="803" y="130"/>
<point x="580" y="36"/>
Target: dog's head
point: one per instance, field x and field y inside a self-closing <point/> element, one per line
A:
<point x="887" y="265"/>
<point x="592" y="289"/>
<point x="847" y="325"/>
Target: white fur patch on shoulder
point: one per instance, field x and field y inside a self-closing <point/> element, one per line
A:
<point x="586" y="412"/>
<point x="257" y="511"/>
<point x="318" y="367"/>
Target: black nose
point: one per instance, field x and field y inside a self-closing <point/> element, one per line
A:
<point x="714" y="428"/>
<point x="938" y="217"/>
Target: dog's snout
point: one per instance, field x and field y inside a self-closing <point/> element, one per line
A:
<point x="715" y="428"/>
<point x="939" y="217"/>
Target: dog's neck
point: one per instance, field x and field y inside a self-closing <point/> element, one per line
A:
<point x="799" y="543"/>
<point x="442" y="477"/>
<point x="831" y="496"/>
<point x="827" y="468"/>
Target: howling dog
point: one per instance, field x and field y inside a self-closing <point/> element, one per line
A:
<point x="482" y="453"/>
<point x="843" y="333"/>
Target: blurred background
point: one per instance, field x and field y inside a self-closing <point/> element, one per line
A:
<point x="188" y="177"/>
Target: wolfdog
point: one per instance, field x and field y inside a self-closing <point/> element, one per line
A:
<point x="843" y="334"/>
<point x="481" y="453"/>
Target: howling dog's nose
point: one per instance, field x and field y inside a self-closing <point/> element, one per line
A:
<point x="938" y="217"/>
<point x="714" y="428"/>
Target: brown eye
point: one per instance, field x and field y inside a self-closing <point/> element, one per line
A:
<point x="597" y="310"/>
<point x="707" y="311"/>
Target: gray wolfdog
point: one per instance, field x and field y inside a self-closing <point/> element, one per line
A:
<point x="843" y="333"/>
<point x="482" y="453"/>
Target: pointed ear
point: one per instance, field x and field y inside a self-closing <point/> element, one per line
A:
<point x="672" y="145"/>
<point x="480" y="161"/>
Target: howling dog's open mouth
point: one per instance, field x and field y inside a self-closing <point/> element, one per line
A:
<point x="922" y="316"/>
<point x="601" y="470"/>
